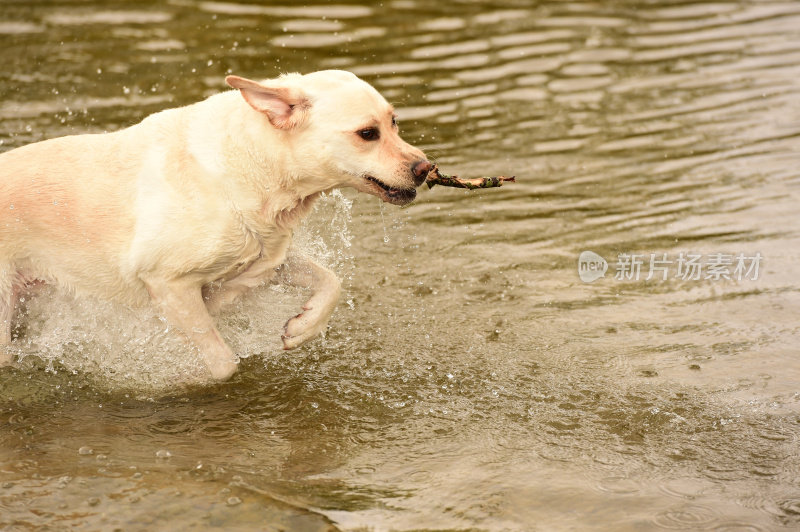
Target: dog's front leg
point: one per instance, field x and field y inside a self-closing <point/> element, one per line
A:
<point x="258" y="273"/>
<point x="303" y="273"/>
<point x="181" y="303"/>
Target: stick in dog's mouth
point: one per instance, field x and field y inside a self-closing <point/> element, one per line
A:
<point x="395" y="196"/>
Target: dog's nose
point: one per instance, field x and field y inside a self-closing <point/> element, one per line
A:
<point x="420" y="171"/>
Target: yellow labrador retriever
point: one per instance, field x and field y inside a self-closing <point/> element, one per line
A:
<point x="194" y="206"/>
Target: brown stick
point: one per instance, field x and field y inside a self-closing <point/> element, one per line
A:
<point x="435" y="177"/>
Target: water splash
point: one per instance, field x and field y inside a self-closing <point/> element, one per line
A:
<point x="135" y="348"/>
<point x="383" y="223"/>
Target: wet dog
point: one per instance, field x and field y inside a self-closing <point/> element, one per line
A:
<point x="194" y="206"/>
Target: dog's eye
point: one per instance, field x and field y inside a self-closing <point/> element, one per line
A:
<point x="370" y="133"/>
<point x="394" y="121"/>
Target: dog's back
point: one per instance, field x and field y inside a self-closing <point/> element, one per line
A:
<point x="87" y="211"/>
<point x="61" y="195"/>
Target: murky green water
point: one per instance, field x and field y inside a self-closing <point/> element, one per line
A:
<point x="470" y="380"/>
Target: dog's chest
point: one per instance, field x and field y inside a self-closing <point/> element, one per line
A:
<point x="269" y="250"/>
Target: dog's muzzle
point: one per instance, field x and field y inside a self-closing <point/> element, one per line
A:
<point x="420" y="170"/>
<point x="396" y="196"/>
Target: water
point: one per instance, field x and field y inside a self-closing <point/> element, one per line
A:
<point x="469" y="379"/>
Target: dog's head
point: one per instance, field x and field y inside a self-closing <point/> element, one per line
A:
<point x="342" y="132"/>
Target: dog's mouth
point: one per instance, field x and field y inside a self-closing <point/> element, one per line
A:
<point x="395" y="196"/>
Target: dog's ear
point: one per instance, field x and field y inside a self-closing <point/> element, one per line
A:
<point x="285" y="107"/>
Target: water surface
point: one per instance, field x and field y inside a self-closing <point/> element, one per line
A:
<point x="469" y="380"/>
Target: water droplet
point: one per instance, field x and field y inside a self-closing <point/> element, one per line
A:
<point x="85" y="450"/>
<point x="93" y="501"/>
<point x="163" y="453"/>
<point x="383" y="222"/>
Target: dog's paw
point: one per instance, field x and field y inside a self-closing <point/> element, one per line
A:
<point x="303" y="327"/>
<point x="222" y="370"/>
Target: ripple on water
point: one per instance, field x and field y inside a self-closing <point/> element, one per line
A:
<point x="725" y="474"/>
<point x="171" y="426"/>
<point x="442" y="24"/>
<point x="321" y="40"/>
<point x="328" y="11"/>
<point x="219" y="430"/>
<point x="521" y="66"/>
<point x="673" y="79"/>
<point x="303" y="25"/>
<point x="557" y="453"/>
<point x="18" y="27"/>
<point x="776" y="434"/>
<point x="685" y="488"/>
<point x="784" y="508"/>
<point x="687" y="517"/>
<point x="577" y="84"/>
<point x="70" y="18"/>
<point x="620" y="485"/>
<point x="535" y="50"/>
<point x="449" y="50"/>
<point x="131" y="410"/>
<point x="529" y="94"/>
<point x="460" y="92"/>
<point x="737" y="526"/>
<point x="790" y="509"/>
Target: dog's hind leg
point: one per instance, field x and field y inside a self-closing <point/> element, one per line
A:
<point x="7" y="299"/>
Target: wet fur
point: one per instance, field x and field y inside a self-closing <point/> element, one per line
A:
<point x="194" y="206"/>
